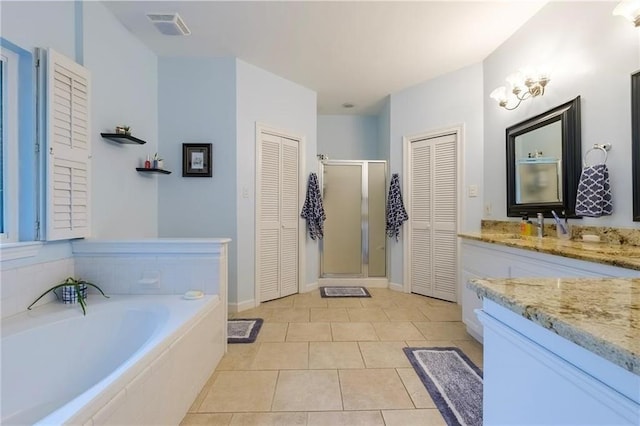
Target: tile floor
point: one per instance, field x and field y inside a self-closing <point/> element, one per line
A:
<point x="330" y="362"/>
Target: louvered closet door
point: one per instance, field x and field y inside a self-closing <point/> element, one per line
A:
<point x="277" y="245"/>
<point x="68" y="139"/>
<point x="433" y="217"/>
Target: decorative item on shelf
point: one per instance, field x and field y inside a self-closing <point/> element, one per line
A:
<point x="72" y="291"/>
<point x="147" y="163"/>
<point x="157" y="162"/>
<point x="526" y="83"/>
<point x="629" y="9"/>
<point x="123" y="130"/>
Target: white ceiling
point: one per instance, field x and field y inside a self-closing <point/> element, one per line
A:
<point x="356" y="52"/>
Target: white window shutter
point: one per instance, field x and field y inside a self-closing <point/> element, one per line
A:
<point x="289" y="219"/>
<point x="68" y="149"/>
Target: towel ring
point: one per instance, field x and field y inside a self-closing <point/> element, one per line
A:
<point x="605" y="147"/>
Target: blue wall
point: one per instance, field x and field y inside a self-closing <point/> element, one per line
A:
<point x="348" y="137"/>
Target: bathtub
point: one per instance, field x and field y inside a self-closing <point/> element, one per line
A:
<point x="131" y="360"/>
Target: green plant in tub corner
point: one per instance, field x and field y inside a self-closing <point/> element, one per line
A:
<point x="79" y="288"/>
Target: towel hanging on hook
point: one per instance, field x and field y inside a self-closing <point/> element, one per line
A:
<point x="594" y="191"/>
<point x="605" y="147"/>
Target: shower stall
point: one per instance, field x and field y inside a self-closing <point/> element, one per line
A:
<point x="354" y="199"/>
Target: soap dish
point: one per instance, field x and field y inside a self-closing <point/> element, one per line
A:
<point x="193" y="294"/>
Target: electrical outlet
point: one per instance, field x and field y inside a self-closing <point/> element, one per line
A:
<point x="245" y="192"/>
<point x="487" y="209"/>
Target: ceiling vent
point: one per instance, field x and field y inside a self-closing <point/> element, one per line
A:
<point x="169" y="24"/>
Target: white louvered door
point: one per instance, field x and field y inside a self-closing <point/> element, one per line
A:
<point x="433" y="217"/>
<point x="68" y="149"/>
<point x="278" y="217"/>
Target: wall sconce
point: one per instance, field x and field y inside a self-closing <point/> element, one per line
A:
<point x="629" y="9"/>
<point x="525" y="84"/>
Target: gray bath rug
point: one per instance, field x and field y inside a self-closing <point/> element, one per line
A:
<point x="243" y="330"/>
<point x="356" y="291"/>
<point x="452" y="380"/>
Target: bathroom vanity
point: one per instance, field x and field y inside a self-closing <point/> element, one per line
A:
<point x="557" y="350"/>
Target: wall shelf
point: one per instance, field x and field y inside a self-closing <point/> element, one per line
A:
<point x="122" y="138"/>
<point x="147" y="170"/>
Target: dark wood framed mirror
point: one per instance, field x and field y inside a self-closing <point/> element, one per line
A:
<point x="544" y="155"/>
<point x="635" y="143"/>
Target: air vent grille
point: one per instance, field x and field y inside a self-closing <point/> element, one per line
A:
<point x="169" y="23"/>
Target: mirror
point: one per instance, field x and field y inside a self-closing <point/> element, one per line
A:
<point x="635" y="143"/>
<point x="544" y="162"/>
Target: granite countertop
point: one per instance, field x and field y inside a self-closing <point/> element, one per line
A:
<point x="621" y="255"/>
<point x="600" y="314"/>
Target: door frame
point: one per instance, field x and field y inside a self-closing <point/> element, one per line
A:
<point x="458" y="131"/>
<point x="302" y="232"/>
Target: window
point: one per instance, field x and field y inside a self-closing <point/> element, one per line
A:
<point x="9" y="146"/>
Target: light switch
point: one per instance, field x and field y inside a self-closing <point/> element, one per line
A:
<point x="245" y="192"/>
<point x="473" y="191"/>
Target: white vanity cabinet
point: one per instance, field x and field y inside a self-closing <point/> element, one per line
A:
<point x="489" y="260"/>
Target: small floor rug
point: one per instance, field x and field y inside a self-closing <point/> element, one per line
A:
<point x="243" y="330"/>
<point x="452" y="380"/>
<point x="344" y="292"/>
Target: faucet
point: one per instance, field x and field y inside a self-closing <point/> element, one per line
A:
<point x="540" y="225"/>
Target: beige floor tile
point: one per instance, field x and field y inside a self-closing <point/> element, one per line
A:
<point x="345" y="418"/>
<point x="239" y="356"/>
<point x="289" y="315"/>
<point x="378" y="302"/>
<point x="429" y="417"/>
<point x="195" y="406"/>
<point x="394" y="331"/>
<point x="404" y="314"/>
<point x="443" y="313"/>
<point x="353" y="331"/>
<point x="269" y="419"/>
<point x="472" y="349"/>
<point x="272" y="332"/>
<point x="209" y="419"/>
<point x="326" y="355"/>
<point x="443" y="330"/>
<point x="367" y="314"/>
<point x="429" y="343"/>
<point x="259" y="312"/>
<point x="439" y="302"/>
<point x="241" y="391"/>
<point x="373" y="389"/>
<point x="329" y="315"/>
<point x="415" y="387"/>
<point x="307" y="390"/>
<point x="309" y="332"/>
<point x="384" y="354"/>
<point x="309" y="301"/>
<point x="404" y="300"/>
<point x="285" y="302"/>
<point x="281" y="356"/>
<point x="344" y="302"/>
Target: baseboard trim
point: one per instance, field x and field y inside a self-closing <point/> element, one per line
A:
<point x="367" y="282"/>
<point x="310" y="287"/>
<point x="241" y="306"/>
<point x="396" y="287"/>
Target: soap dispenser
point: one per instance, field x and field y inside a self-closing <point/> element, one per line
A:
<point x="523" y="225"/>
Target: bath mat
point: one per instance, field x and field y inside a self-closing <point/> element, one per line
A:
<point x="452" y="380"/>
<point x="344" y="292"/>
<point x="243" y="330"/>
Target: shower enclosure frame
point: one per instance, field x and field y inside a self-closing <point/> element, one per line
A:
<point x="364" y="212"/>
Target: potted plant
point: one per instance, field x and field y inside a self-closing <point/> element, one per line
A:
<point x="72" y="291"/>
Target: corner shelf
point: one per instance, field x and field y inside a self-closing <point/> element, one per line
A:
<point x="123" y="138"/>
<point x="147" y="170"/>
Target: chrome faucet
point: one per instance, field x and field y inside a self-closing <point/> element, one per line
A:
<point x="540" y="225"/>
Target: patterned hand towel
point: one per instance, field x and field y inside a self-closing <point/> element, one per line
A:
<point x="312" y="210"/>
<point x="594" y="192"/>
<point x="396" y="214"/>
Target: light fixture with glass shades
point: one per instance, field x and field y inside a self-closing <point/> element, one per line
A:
<point x="630" y="9"/>
<point x="524" y="84"/>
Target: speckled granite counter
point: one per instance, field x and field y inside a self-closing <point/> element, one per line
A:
<point x="600" y="314"/>
<point x="621" y="255"/>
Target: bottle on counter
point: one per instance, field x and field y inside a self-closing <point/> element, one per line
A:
<point x="523" y="225"/>
<point x="147" y="163"/>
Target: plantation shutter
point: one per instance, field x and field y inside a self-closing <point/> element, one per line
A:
<point x="420" y="217"/>
<point x="68" y="149"/>
<point x="289" y="220"/>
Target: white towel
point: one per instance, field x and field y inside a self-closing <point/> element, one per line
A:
<point x="594" y="192"/>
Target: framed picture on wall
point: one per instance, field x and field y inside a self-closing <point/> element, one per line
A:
<point x="196" y="160"/>
<point x="635" y="143"/>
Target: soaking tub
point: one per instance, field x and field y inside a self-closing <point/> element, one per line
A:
<point x="131" y="360"/>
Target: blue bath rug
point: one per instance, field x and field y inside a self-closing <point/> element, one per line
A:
<point x="243" y="330"/>
<point x="340" y="291"/>
<point x="452" y="380"/>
